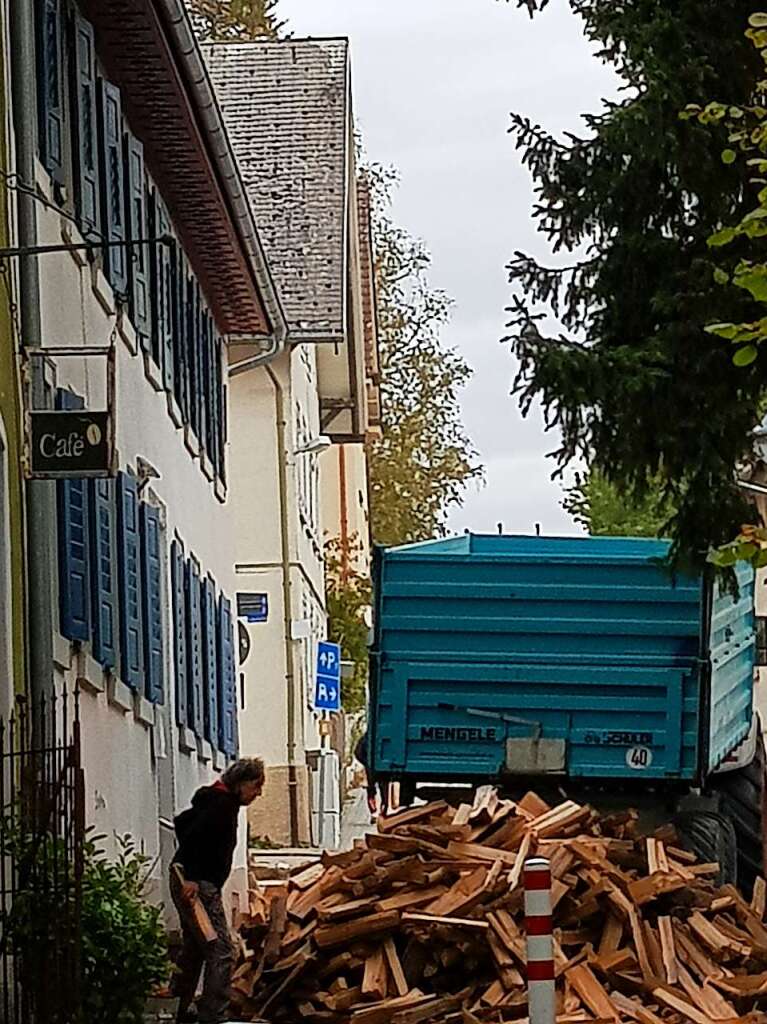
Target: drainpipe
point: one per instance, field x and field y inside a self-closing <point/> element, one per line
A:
<point x="40" y="494"/>
<point x="287" y="599"/>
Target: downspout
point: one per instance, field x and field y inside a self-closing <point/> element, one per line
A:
<point x="287" y="599"/>
<point x="40" y="495"/>
<point x="343" y="498"/>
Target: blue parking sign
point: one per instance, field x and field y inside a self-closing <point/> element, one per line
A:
<point x="327" y="689"/>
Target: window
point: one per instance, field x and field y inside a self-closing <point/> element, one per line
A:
<point x="136" y="218"/>
<point x="112" y="184"/>
<point x="50" y="87"/>
<point x="113" y="195"/>
<point x="130" y="580"/>
<point x="111" y="566"/>
<point x="204" y="656"/>
<point x="86" y="172"/>
<point x="74" y="557"/>
<point x="152" y="602"/>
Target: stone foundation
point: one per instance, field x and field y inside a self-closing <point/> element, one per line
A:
<point x="269" y="816"/>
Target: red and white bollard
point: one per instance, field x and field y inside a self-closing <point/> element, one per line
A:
<point x="540" y="945"/>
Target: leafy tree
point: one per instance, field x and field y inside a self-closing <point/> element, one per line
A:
<point x="422" y="464"/>
<point x="634" y="383"/>
<point x="235" y="19"/>
<point x="598" y="505"/>
<point x="349" y="596"/>
<point x="746" y="127"/>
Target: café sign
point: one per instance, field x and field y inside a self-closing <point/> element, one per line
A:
<point x="70" y="444"/>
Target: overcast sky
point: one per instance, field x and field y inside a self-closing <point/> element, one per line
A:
<point x="433" y="83"/>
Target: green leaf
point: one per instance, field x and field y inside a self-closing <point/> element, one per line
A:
<point x="747" y="550"/>
<point x="729" y="156"/>
<point x="723" y="237"/>
<point x="721" y="276"/>
<point x="723" y="557"/>
<point x="758" y="20"/>
<point x="745" y="356"/>
<point x="727" y="331"/>
<point x="752" y="279"/>
<point x="760" y="560"/>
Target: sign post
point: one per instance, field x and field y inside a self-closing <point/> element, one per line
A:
<point x="72" y="442"/>
<point x="327" y="697"/>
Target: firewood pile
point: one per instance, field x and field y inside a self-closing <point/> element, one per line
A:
<point x="424" y="922"/>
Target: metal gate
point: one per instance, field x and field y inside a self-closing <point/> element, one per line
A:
<point x="42" y="832"/>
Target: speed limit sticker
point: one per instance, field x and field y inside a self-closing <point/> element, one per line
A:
<point x="639" y="758"/>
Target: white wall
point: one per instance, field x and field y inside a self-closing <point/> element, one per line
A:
<point x="255" y="498"/>
<point x="129" y="785"/>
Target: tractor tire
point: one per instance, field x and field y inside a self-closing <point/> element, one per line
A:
<point x="741" y="800"/>
<point x="711" y="837"/>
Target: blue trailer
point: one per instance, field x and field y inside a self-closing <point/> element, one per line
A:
<point x="580" y="663"/>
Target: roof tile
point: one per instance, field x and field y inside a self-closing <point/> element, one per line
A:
<point x="287" y="111"/>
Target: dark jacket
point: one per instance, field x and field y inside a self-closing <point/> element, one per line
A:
<point x="361" y="750"/>
<point x="207" y="835"/>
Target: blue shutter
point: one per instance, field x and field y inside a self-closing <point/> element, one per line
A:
<point x="169" y="259"/>
<point x="103" y="574"/>
<point x="224" y="432"/>
<point x="194" y="648"/>
<point x="151" y="563"/>
<point x="179" y="299"/>
<point x="212" y="398"/>
<point x="72" y="501"/>
<point x="50" y="87"/>
<point x="129" y="563"/>
<point x="136" y="218"/>
<point x="84" y="107"/>
<point x="202" y="374"/>
<point x="210" y="660"/>
<point x="227" y="680"/>
<point x="178" y="585"/>
<point x="113" y="185"/>
<point x="192" y="353"/>
<point x="162" y="300"/>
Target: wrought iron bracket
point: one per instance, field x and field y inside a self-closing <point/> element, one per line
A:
<point x="42" y="250"/>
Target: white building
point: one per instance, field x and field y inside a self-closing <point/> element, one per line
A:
<point x="287" y="107"/>
<point x="145" y="586"/>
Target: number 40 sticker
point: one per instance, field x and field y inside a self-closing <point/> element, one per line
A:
<point x="639" y="758"/>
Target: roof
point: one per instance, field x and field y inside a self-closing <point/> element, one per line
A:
<point x="150" y="52"/>
<point x="287" y="109"/>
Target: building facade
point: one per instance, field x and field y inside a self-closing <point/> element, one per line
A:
<point x="287" y="107"/>
<point x="12" y="546"/>
<point x="130" y="149"/>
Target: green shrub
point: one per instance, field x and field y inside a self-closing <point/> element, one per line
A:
<point x="124" y="946"/>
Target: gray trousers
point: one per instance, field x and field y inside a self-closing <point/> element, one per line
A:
<point x="216" y="957"/>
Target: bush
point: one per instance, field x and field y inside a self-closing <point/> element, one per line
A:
<point x="124" y="946"/>
<point x="123" y="951"/>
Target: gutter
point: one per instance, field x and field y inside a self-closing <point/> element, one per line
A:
<point x="198" y="80"/>
<point x="40" y="494"/>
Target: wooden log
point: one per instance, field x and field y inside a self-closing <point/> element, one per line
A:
<point x="375" y="980"/>
<point x="396" y="971"/>
<point x="199" y="915"/>
<point x="330" y="936"/>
